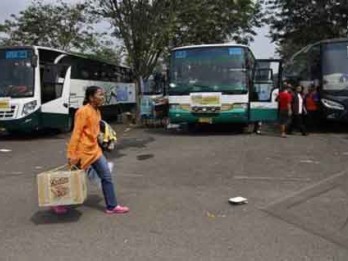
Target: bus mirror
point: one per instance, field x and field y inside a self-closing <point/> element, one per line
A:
<point x="34" y="61"/>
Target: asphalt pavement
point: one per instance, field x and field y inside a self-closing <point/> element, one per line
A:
<point x="177" y="185"/>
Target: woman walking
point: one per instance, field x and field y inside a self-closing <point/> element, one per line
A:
<point x="84" y="150"/>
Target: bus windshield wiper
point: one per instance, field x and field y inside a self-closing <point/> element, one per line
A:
<point x="235" y="91"/>
<point x="200" y="85"/>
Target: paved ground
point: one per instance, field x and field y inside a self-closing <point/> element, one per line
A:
<point x="177" y="186"/>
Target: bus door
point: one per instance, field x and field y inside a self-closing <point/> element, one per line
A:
<point x="264" y="91"/>
<point x="154" y="104"/>
<point x="55" y="92"/>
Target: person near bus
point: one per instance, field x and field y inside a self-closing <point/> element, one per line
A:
<point x="298" y="112"/>
<point x="284" y="99"/>
<point x="312" y="107"/>
<point x="84" y="150"/>
<point x="254" y="96"/>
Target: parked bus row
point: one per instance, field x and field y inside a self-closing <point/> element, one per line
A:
<point x="205" y="84"/>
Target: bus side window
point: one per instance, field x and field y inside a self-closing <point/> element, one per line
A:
<point x="84" y="74"/>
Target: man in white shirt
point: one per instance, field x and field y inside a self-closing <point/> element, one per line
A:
<point x="298" y="112"/>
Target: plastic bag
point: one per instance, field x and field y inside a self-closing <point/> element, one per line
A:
<point x="93" y="176"/>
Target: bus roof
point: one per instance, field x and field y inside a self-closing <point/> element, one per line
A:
<point x="325" y="41"/>
<point x="34" y="47"/>
<point x="80" y="55"/>
<point x="210" y="45"/>
<point x="333" y="40"/>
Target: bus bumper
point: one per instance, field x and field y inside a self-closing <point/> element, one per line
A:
<point x="177" y="117"/>
<point x="26" y="124"/>
<point x="335" y="115"/>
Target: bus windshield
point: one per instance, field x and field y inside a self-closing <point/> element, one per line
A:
<point x="16" y="73"/>
<point x="335" y="66"/>
<point x="213" y="69"/>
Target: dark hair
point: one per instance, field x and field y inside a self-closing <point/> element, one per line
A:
<point x="90" y="92"/>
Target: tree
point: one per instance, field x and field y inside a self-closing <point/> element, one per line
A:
<point x="107" y="52"/>
<point x="62" y="26"/>
<point x="216" y="21"/>
<point x="144" y="27"/>
<point x="150" y="27"/>
<point x="295" y="24"/>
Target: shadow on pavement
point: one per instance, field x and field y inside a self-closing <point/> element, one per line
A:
<point x="200" y="130"/>
<point x="37" y="135"/>
<point x="125" y="143"/>
<point x="145" y="156"/>
<point x="95" y="202"/>
<point x="47" y="217"/>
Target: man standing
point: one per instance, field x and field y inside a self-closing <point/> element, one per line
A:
<point x="299" y="111"/>
<point x="284" y="99"/>
<point x="312" y="107"/>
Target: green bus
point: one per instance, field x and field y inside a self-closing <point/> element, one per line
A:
<point x="42" y="87"/>
<point x="221" y="83"/>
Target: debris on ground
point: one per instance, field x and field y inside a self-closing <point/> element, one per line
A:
<point x="5" y="150"/>
<point x="238" y="201"/>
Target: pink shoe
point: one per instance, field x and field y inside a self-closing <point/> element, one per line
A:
<point x="60" y="210"/>
<point x="117" y="210"/>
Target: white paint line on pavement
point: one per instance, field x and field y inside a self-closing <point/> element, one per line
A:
<point x="5" y="150"/>
<point x="11" y="173"/>
<point x="272" y="178"/>
<point x="130" y="175"/>
<point x="17" y="172"/>
<point x="309" y="161"/>
<point x="330" y="179"/>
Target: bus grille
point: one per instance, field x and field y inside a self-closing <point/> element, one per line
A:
<point x="8" y="114"/>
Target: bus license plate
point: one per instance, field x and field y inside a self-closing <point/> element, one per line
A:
<point x="205" y="120"/>
<point x="5" y="104"/>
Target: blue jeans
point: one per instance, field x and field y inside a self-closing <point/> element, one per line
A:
<point x="102" y="169"/>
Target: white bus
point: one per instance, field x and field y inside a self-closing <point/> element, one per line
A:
<point x="221" y="83"/>
<point x="43" y="87"/>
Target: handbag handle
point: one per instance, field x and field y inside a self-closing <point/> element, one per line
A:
<point x="69" y="167"/>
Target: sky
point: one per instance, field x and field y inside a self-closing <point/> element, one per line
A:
<point x="261" y="47"/>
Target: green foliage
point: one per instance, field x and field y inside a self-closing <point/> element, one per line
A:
<point x="295" y="24"/>
<point x="107" y="53"/>
<point x="69" y="27"/>
<point x="144" y="26"/>
<point x="149" y="28"/>
<point x="59" y="26"/>
<point x="215" y="21"/>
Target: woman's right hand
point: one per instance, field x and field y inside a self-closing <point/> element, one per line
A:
<point x="73" y="161"/>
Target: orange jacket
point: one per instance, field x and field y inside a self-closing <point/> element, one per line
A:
<point x="83" y="142"/>
<point x="310" y="102"/>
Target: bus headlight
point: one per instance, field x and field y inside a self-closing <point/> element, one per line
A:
<point x="29" y="107"/>
<point x="174" y="106"/>
<point x="332" y="104"/>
